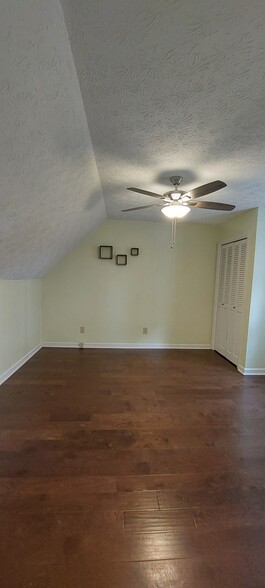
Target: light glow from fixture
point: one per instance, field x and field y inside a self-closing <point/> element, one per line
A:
<point x="175" y="210"/>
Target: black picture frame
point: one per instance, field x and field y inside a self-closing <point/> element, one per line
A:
<point x="105" y="252"/>
<point x="134" y="251"/>
<point x="121" y="259"/>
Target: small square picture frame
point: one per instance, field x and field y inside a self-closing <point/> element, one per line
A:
<point x="105" y="252"/>
<point x="121" y="259"/>
<point x="134" y="251"/>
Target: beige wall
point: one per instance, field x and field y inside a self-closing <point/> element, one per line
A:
<point x="255" y="356"/>
<point x="168" y="291"/>
<point x="244" y="225"/>
<point x="20" y="320"/>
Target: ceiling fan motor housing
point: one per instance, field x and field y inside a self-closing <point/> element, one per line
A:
<point x="176" y="180"/>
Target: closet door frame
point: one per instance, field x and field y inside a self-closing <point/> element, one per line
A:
<point x="217" y="279"/>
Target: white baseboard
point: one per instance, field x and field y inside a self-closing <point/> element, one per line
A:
<point x="251" y="371"/>
<point x="60" y="344"/>
<point x="18" y="364"/>
<point x="75" y="345"/>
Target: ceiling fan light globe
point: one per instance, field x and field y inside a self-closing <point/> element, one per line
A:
<point x="175" y="211"/>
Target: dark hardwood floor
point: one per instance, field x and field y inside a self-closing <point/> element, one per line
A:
<point x="132" y="469"/>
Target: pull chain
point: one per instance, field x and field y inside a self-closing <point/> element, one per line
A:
<point x="173" y="232"/>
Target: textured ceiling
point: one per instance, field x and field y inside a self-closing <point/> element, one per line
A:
<point x="173" y="86"/>
<point x="50" y="193"/>
<point x="161" y="87"/>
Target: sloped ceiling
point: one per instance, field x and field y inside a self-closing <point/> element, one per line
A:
<point x="161" y="87"/>
<point x="50" y="192"/>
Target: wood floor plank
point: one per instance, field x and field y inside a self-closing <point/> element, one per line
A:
<point x="158" y="521"/>
<point x="245" y="496"/>
<point x="204" y="480"/>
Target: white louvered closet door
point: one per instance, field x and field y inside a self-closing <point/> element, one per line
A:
<point x="230" y="299"/>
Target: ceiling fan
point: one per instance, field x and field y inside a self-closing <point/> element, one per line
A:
<point x="177" y="203"/>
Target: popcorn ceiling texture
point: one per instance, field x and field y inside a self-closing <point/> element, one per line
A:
<point x="167" y="87"/>
<point x="50" y="192"/>
<point x="173" y="86"/>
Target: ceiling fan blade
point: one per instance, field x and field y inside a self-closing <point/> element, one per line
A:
<point x="211" y="205"/>
<point x="206" y="189"/>
<point x="138" y="190"/>
<point x="141" y="207"/>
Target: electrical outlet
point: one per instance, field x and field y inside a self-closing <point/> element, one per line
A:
<point x="81" y="345"/>
<point x="145" y="330"/>
<point x="82" y="329"/>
